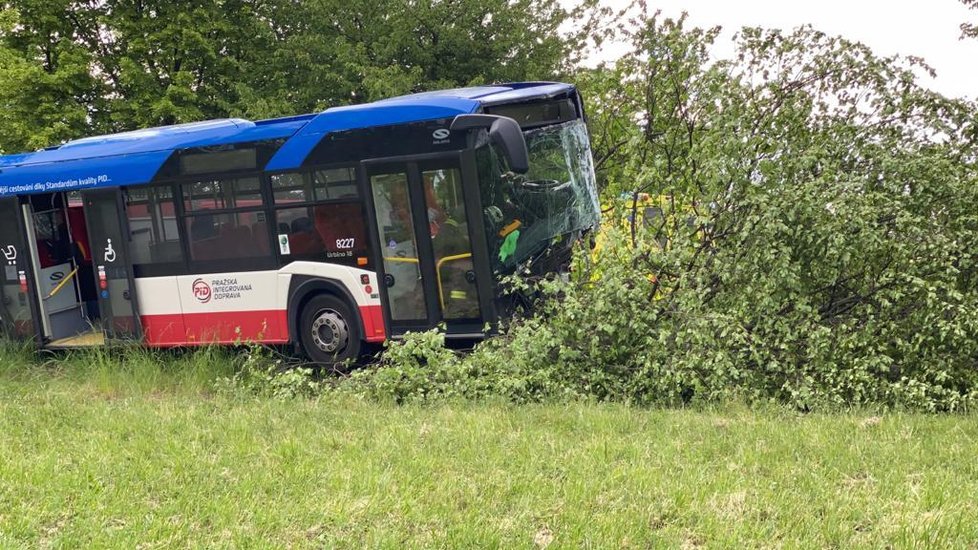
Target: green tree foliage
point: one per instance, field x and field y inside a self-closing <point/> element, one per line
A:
<point x="822" y="234"/>
<point x="77" y="67"/>
<point x="47" y="92"/>
<point x="365" y="50"/>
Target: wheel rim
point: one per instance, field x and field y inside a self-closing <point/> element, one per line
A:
<point x="329" y="331"/>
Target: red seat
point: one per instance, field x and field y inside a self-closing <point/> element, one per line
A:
<point x="335" y="222"/>
<point x="259" y="234"/>
<point x="244" y="246"/>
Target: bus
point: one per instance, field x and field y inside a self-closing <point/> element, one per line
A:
<point x="329" y="231"/>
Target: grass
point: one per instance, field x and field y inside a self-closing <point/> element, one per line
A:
<point x="97" y="451"/>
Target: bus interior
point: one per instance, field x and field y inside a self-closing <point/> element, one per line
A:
<point x="63" y="268"/>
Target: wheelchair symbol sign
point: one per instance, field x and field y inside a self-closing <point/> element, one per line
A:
<point x="109" y="252"/>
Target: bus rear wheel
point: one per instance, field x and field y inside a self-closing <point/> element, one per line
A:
<point x="329" y="332"/>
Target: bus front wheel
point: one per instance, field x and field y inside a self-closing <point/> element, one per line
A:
<point x="330" y="332"/>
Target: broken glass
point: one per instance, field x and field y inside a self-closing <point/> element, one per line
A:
<point x="525" y="214"/>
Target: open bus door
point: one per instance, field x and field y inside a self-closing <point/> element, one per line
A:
<point x="109" y="237"/>
<point x="62" y="316"/>
<point x="17" y="302"/>
<point x="422" y="226"/>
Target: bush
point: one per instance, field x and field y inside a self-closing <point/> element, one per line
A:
<point x="259" y="373"/>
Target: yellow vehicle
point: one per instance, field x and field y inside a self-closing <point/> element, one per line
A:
<point x="644" y="221"/>
<point x="635" y="217"/>
<point x="645" y="216"/>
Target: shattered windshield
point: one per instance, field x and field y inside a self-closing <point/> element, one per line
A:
<point x="526" y="213"/>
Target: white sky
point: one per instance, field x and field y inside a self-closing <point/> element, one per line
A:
<point x="925" y="28"/>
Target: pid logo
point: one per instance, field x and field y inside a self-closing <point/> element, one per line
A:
<point x="202" y="291"/>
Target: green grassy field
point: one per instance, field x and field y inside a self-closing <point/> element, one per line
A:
<point x="101" y="454"/>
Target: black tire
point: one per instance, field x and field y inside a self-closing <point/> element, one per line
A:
<point x="329" y="332"/>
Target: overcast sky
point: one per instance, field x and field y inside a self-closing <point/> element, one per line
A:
<point x="925" y="28"/>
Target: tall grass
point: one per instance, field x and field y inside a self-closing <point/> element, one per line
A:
<point x="118" y="370"/>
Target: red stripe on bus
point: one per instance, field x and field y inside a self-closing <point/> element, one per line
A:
<point x="230" y="327"/>
<point x="163" y="330"/>
<point x="225" y="327"/>
<point x="373" y="323"/>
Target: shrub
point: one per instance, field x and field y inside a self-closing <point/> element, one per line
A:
<point x="259" y="373"/>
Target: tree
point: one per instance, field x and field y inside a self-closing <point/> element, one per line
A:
<point x="109" y="65"/>
<point x="335" y="52"/>
<point x="817" y="241"/>
<point x="47" y="93"/>
<point x="147" y="62"/>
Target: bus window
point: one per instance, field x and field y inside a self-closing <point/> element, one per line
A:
<point x="290" y="188"/>
<point x="297" y="225"/>
<point x="448" y="226"/>
<point x="337" y="183"/>
<point x="335" y="232"/>
<point x="319" y="218"/>
<point x="396" y="230"/>
<point x="227" y="235"/>
<point x="53" y="242"/>
<point x="525" y="214"/>
<point x="315" y="186"/>
<point x="153" y="226"/>
<point x="222" y="194"/>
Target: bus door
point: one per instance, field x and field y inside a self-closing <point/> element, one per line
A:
<point x="63" y="318"/>
<point x="422" y="229"/>
<point x="17" y="312"/>
<point x="108" y="233"/>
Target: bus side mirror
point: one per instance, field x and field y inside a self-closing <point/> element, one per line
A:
<point x="505" y="133"/>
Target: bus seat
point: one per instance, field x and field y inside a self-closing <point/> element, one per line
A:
<point x="301" y="225"/>
<point x="205" y="249"/>
<point x="226" y="244"/>
<point x="340" y="221"/>
<point x="305" y="243"/>
<point x="243" y="243"/>
<point x="259" y="234"/>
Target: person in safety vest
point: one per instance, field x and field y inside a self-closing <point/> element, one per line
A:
<point x="453" y="253"/>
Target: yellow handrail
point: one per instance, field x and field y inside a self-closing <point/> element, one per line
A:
<point x="400" y="259"/>
<point x="441" y="291"/>
<point x="61" y="285"/>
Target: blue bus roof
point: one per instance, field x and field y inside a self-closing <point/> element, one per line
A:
<point x="132" y="158"/>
